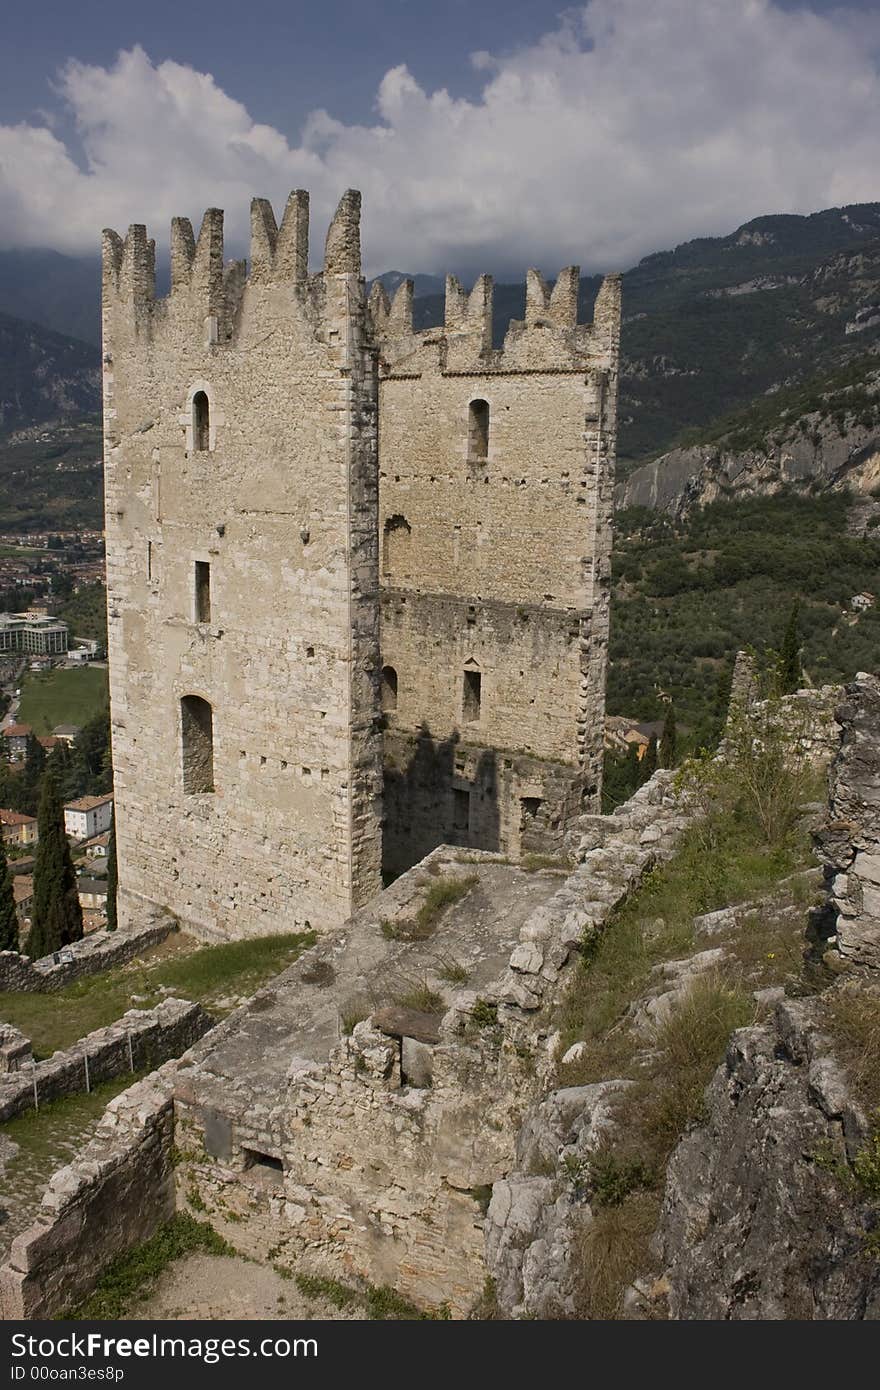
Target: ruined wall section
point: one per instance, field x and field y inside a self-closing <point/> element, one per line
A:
<point x="496" y="474"/>
<point x="241" y="506"/>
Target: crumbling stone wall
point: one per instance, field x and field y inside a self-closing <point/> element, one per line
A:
<point x="380" y="1156"/>
<point x="471" y="586"/>
<point x="241" y="487"/>
<point x="142" y="1037"/>
<point x="98" y="951"/>
<point x="15" y="1049"/>
<point x="849" y="845"/>
<point x="114" y="1195"/>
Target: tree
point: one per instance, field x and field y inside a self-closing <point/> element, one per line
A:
<point x="112" y="876"/>
<point x="668" y="739"/>
<point x="649" y="761"/>
<point x="8" y="915"/>
<point x="57" y="915"/>
<point x="791" y="674"/>
<point x="34" y="767"/>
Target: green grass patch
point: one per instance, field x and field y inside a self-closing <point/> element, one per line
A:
<point x="421" y="997"/>
<point x="56" y="697"/>
<point x="381" y="1303"/>
<point x="439" y="896"/>
<point x="131" y="1276"/>
<point x="54" y="1021"/>
<point x="342" y="1296"/>
<point x="40" y="1134"/>
<point x="713" y="867"/>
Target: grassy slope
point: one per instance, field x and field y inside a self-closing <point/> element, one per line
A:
<point x="206" y="974"/>
<point x="62" y="697"/>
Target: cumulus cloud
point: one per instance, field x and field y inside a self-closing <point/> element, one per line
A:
<point x="632" y="126"/>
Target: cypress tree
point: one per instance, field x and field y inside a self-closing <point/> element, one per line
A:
<point x="791" y="674"/>
<point x="632" y="771"/>
<point x="8" y="915"/>
<point x="668" y="739"/>
<point x="111" y="875"/>
<point x="649" y="761"/>
<point x="57" y="915"/>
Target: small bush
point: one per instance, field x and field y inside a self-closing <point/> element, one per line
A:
<point x="422" y="997"/>
<point x="612" y="1179"/>
<point x="484" y="1014"/>
<point x="452" y="971"/>
<point x="353" y="1012"/>
<point x="317" y="1286"/>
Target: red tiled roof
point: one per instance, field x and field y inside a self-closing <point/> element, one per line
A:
<point x="15" y="818"/>
<point x="17" y="731"/>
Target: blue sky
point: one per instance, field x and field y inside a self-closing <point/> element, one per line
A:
<point x="481" y="134"/>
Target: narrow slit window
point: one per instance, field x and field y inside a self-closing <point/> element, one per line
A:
<point x="389" y="688"/>
<point x="396" y="545"/>
<point x="203" y="591"/>
<point x="472" y="696"/>
<point x="201" y="422"/>
<point x="149" y="560"/>
<point x="197" y="744"/>
<point x="478" y="431"/>
<point x="461" y="809"/>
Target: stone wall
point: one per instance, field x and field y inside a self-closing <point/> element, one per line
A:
<point x="96" y="952"/>
<point x="471" y="589"/>
<point x="142" y="1037"/>
<point x="849" y="845"/>
<point x="379" y="1155"/>
<point x="15" y="1049"/>
<point x="242" y="575"/>
<point x="115" y="1194"/>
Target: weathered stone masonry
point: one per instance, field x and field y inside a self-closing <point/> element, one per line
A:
<point x="495" y="513"/>
<point x="240" y="442"/>
<point x="245" y="432"/>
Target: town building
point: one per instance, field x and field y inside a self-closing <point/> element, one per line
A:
<point x="87" y="816"/>
<point x="17" y="828"/>
<point x="33" y="634"/>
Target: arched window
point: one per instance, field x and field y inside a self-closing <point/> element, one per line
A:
<point x="389" y="688"/>
<point x="478" y="431"/>
<point x="197" y="744"/>
<point x="201" y="421"/>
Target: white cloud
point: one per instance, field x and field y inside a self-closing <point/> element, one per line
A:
<point x="635" y="125"/>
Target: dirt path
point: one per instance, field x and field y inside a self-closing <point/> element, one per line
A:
<point x="218" y="1287"/>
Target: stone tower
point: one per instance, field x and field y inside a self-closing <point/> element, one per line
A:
<point x="242" y="575"/>
<point x="495" y="501"/>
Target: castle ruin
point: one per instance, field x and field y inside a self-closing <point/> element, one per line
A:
<point x="348" y="564"/>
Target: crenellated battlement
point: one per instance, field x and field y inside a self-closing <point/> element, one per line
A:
<point x="548" y="338"/>
<point x="209" y="292"/>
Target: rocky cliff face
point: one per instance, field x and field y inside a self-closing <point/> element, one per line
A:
<point x="758" y="1221"/>
<point x="44" y="375"/>
<point x="819" y="457"/>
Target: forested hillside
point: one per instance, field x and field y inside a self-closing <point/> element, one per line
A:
<point x="688" y="594"/>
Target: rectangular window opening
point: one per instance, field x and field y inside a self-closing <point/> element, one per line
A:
<point x="472" y="696"/>
<point x="265" y="1166"/>
<point x="203" y="591"/>
<point x="461" y="809"/>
